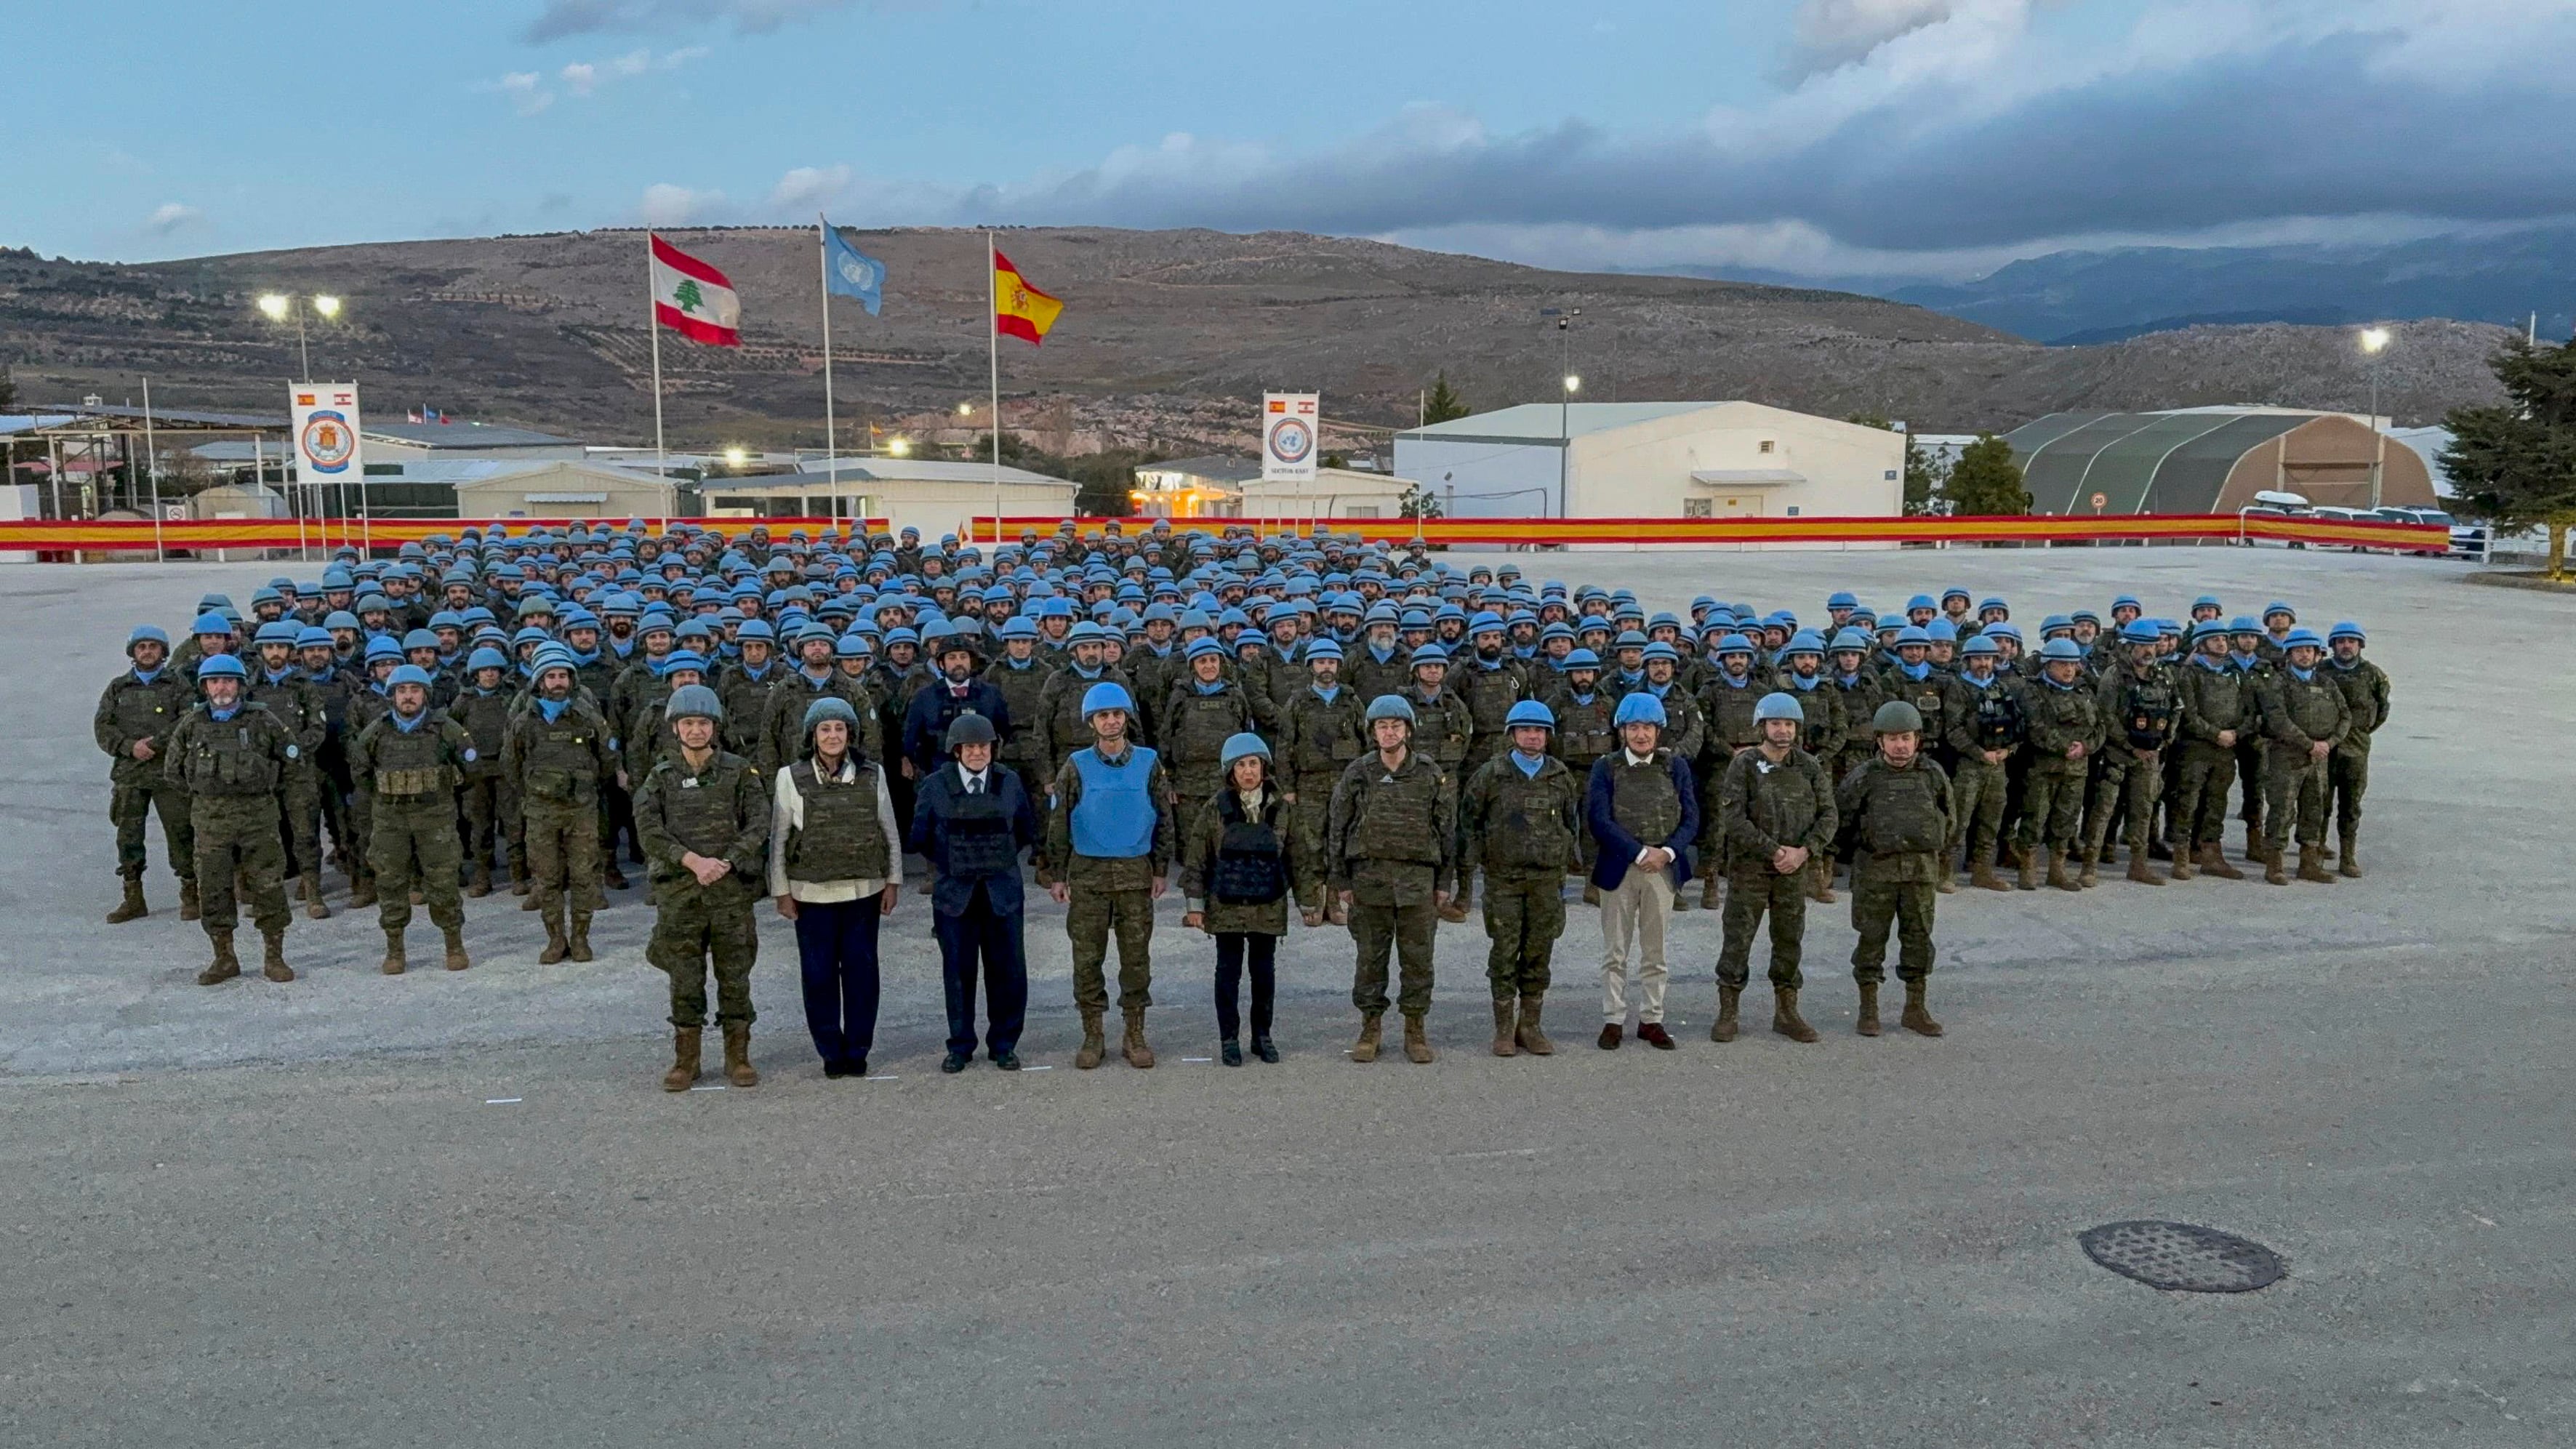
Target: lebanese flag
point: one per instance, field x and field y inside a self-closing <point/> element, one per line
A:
<point x="694" y="299"/>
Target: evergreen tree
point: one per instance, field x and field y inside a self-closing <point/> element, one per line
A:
<point x="1985" y="481"/>
<point x="1442" y="404"/>
<point x="2515" y="464"/>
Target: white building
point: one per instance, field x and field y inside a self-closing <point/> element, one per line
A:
<point x="1217" y="486"/>
<point x="935" y="497"/>
<point x="1655" y="460"/>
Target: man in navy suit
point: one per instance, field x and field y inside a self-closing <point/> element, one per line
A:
<point x="1643" y="811"/>
<point x="939" y="703"/>
<point x="971" y="820"/>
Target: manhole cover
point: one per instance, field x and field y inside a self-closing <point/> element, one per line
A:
<point x="2182" y="1256"/>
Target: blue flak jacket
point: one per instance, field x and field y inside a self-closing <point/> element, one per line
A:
<point x="1114" y="819"/>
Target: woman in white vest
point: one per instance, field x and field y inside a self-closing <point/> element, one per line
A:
<point x="835" y="865"/>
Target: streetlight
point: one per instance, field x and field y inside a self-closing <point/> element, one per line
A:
<point x="900" y="447"/>
<point x="2374" y="341"/>
<point x="1565" y="437"/>
<point x="736" y="457"/>
<point x="280" y="306"/>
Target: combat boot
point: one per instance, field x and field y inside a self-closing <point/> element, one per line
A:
<point x="1314" y="919"/>
<point x="1982" y="876"/>
<point x="1681" y="900"/>
<point x="274" y="967"/>
<point x="394" y="962"/>
<point x="1527" y="1034"/>
<point x="1820" y="880"/>
<point x="362" y="892"/>
<point x="188" y="908"/>
<point x="2182" y="864"/>
<point x="1365" y="1049"/>
<point x="738" y="1068"/>
<point x="2028" y="860"/>
<point x="1505" y="1027"/>
<point x="684" y="1060"/>
<point x="2349" y="865"/>
<point x="456" y="959"/>
<point x="1916" y="1019"/>
<point x="1417" y="1047"/>
<point x="1784" y="1015"/>
<point x="478" y="881"/>
<point x="520" y="884"/>
<point x="2214" y="862"/>
<point x="1092" y="1046"/>
<point x="580" y="943"/>
<point x="2313" y="869"/>
<point x="1132" y="1046"/>
<point x="610" y="876"/>
<point x="2276" y="870"/>
<point x="314" y="909"/>
<point x="226" y="965"/>
<point x="1868" y="1023"/>
<point x="1708" y="889"/>
<point x="1725" y="1027"/>
<point x="132" y="907"/>
<point x="1591" y="894"/>
<point x="534" y="901"/>
<point x="2142" y="872"/>
<point x="2089" y="872"/>
<point x="2057" y="875"/>
<point x="1948" y="884"/>
<point x="556" y="947"/>
<point x="1456" y="910"/>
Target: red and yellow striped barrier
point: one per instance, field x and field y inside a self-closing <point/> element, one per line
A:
<point x="139" y="535"/>
<point x="1686" y="532"/>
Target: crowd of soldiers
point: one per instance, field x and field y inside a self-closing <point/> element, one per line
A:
<point x="496" y="712"/>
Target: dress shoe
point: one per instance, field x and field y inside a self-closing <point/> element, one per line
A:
<point x="1610" y="1037"/>
<point x="1652" y="1033"/>
<point x="954" y="1062"/>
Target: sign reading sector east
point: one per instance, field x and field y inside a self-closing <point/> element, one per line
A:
<point x="1291" y="428"/>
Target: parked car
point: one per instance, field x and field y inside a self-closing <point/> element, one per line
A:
<point x="2433" y="516"/>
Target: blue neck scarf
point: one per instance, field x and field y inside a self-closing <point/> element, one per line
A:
<point x="407" y="726"/>
<point x="1327" y="692"/>
<point x="1528" y="765"/>
<point x="278" y="676"/>
<point x="1212" y="687"/>
<point x="2213" y="666"/>
<point x="1804" y="682"/>
<point x="553" y="709"/>
<point x="2301" y="675"/>
<point x="146" y="677"/>
<point x="1915" y="671"/>
<point x="223" y="714"/>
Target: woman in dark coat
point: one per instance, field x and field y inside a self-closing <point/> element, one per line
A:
<point x="1237" y="874"/>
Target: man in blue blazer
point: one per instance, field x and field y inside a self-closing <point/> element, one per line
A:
<point x="1643" y="812"/>
<point x="971" y="820"/>
<point x="939" y="703"/>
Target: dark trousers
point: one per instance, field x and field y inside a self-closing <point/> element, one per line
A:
<point x="836" y="944"/>
<point x="1229" y="981"/>
<point x="981" y="933"/>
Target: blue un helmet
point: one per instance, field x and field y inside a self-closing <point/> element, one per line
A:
<point x="2346" y="629"/>
<point x="2140" y="630"/>
<point x="408" y="674"/>
<point x="1390" y="706"/>
<point x="313" y="636"/>
<point x="1238" y="746"/>
<point x="1201" y="647"/>
<point x="275" y="631"/>
<point x="2302" y="635"/>
<point x="484" y="658"/>
<point x="1641" y="707"/>
<point x="1778" y="704"/>
<point x="2061" y="648"/>
<point x="222" y="666"/>
<point x="381" y="647"/>
<point x="147" y="634"/>
<point x="693" y="701"/>
<point x="1979" y="646"/>
<point x="1529" y="712"/>
<point x="212" y="623"/>
<point x="1106" y="695"/>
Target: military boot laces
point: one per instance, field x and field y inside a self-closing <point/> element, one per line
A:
<point x="684" y="1060"/>
<point x="273" y="965"/>
<point x="132" y="908"/>
<point x="1365" y="1049"/>
<point x="1917" y="1019"/>
<point x="580" y="944"/>
<point x="1527" y="1033"/>
<point x="1868" y="1023"/>
<point x="1506" y="1026"/>
<point x="1729" y="998"/>
<point x="1785" y="1018"/>
<point x="226" y="965"/>
<point x="737" y="1047"/>
<point x="1417" y="1045"/>
<point x="1093" y="1048"/>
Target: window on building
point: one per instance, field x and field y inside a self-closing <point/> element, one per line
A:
<point x="1766" y="445"/>
<point x="1360" y="510"/>
<point x="1793" y="510"/>
<point x="1697" y="508"/>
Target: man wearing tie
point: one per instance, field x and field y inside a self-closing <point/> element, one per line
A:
<point x="971" y="820"/>
<point x="954" y="693"/>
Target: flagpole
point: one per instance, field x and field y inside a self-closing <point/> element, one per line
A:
<point x="823" y="270"/>
<point x="653" y="326"/>
<point x="993" y="342"/>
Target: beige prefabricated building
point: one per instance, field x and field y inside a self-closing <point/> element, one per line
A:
<point x="2212" y="460"/>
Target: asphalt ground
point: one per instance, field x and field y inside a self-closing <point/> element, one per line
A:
<point x="446" y="1208"/>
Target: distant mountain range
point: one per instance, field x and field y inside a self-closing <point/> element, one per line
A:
<point x="2078" y="298"/>
<point x="1167" y="341"/>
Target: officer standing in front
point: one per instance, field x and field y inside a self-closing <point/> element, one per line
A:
<point x="409" y="764"/>
<point x="136" y="714"/>
<point x="970" y="820"/>
<point x="1895" y="812"/>
<point x="1110" y="830"/>
<point x="704" y="817"/>
<point x="1520" y="817"/>
<point x="1778" y="814"/>
<point x="230" y="757"/>
<point x="1389" y="843"/>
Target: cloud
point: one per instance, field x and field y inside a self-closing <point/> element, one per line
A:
<point x="1833" y="32"/>
<point x="172" y="216"/>
<point x="1964" y="132"/>
<point x="563" y="18"/>
<point x="667" y="205"/>
<point x="526" y="91"/>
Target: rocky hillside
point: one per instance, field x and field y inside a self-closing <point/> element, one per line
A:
<point x="1166" y="338"/>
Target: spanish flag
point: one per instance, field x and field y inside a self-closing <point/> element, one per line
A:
<point x="1020" y="310"/>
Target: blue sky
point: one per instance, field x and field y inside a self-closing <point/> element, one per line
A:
<point x="1819" y="137"/>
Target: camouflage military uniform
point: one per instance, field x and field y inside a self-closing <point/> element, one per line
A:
<point x="1768" y="806"/>
<point x="2297" y="713"/>
<point x="1727" y="712"/>
<point x="2365" y="696"/>
<point x="1195" y="726"/>
<point x="556" y="769"/>
<point x="2141" y="716"/>
<point x="299" y="704"/>
<point x="490" y="797"/>
<point x="1112" y="894"/>
<point x="130" y="710"/>
<point x="1981" y="719"/>
<point x="1023" y="690"/>
<point x="1390" y="841"/>
<point x="1322" y="737"/>
<point x="721" y="812"/>
<point x="231" y="771"/>
<point x="1584" y="733"/>
<point x="1900" y="822"/>
<point x="1521" y="829"/>
<point x="2214" y="701"/>
<point x="2052" y="812"/>
<point x="410" y="779"/>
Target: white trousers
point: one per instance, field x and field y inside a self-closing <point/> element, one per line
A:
<point x="1635" y="914"/>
